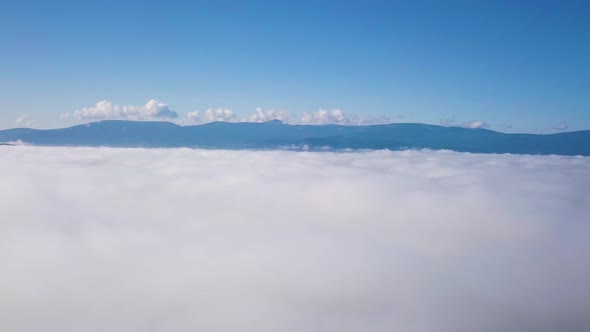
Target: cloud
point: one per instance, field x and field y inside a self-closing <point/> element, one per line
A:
<point x="211" y="115"/>
<point x="322" y="116"/>
<point x="97" y="239"/>
<point x="560" y="127"/>
<point x="268" y="115"/>
<point x="24" y="120"/>
<point x="17" y="142"/>
<point x="103" y="110"/>
<point x="155" y="110"/>
<point x="476" y="124"/>
<point x="336" y="116"/>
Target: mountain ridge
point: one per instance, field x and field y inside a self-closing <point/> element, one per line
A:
<point x="274" y="134"/>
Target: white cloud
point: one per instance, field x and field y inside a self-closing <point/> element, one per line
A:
<point x="476" y="124"/>
<point x="154" y="110"/>
<point x="195" y="240"/>
<point x="322" y="117"/>
<point x="24" y="120"/>
<point x="17" y="142"/>
<point x="103" y="110"/>
<point x="211" y="115"/>
<point x="267" y="115"/>
<point x="336" y="116"/>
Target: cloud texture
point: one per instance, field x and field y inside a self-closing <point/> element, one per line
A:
<point x="320" y="117"/>
<point x="155" y="110"/>
<point x="194" y="240"/>
<point x="267" y="115"/>
<point x="212" y="114"/>
<point x="323" y="117"/>
<point x="105" y="109"/>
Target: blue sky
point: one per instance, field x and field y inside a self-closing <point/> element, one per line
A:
<point x="515" y="66"/>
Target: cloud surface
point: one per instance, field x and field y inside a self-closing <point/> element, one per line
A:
<point x="97" y="239"/>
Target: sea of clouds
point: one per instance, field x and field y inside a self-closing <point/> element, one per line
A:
<point x="99" y="239"/>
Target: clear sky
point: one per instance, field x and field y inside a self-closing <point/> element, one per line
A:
<point x="515" y="66"/>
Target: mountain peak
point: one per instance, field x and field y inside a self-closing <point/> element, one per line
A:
<point x="274" y="122"/>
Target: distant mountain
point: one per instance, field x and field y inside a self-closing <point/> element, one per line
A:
<point x="275" y="134"/>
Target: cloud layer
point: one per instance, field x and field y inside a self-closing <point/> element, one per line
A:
<point x="105" y="109"/>
<point x="195" y="240"/>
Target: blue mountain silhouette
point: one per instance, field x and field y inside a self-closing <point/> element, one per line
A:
<point x="275" y="134"/>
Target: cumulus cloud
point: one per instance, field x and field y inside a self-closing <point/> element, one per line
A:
<point x="267" y="115"/>
<point x="24" y="120"/>
<point x="211" y="115"/>
<point x="155" y="110"/>
<point x="104" y="110"/>
<point x="198" y="240"/>
<point x="476" y="124"/>
<point x="336" y="116"/>
<point x="322" y="116"/>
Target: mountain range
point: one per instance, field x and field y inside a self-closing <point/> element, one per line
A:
<point x="277" y="135"/>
